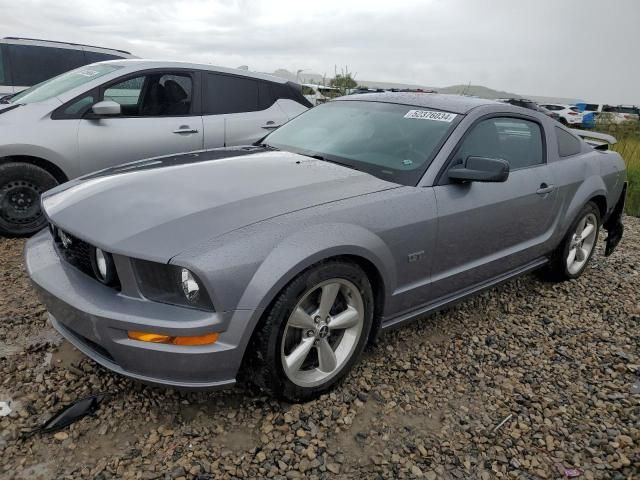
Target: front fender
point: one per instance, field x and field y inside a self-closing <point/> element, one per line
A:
<point x="312" y="245"/>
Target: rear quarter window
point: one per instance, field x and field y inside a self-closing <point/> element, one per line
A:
<point x="229" y="94"/>
<point x="568" y="145"/>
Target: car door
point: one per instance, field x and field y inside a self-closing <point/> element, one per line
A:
<point x="160" y="115"/>
<point x="489" y="229"/>
<point x="238" y="110"/>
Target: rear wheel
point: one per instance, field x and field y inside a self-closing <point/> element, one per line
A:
<point x="575" y="251"/>
<point x="314" y="332"/>
<point x="21" y="185"/>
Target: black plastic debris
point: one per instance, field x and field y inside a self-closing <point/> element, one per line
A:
<point x="72" y="413"/>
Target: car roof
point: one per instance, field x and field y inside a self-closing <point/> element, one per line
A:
<point x="141" y="64"/>
<point x="53" y="43"/>
<point x="439" y="101"/>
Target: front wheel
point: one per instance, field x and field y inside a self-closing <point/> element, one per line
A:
<point x="21" y="185"/>
<point x="574" y="253"/>
<point x="314" y="332"/>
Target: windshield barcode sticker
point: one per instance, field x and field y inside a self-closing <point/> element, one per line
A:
<point x="431" y="115"/>
<point x="87" y="73"/>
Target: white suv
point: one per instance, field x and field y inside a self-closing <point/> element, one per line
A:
<point x="25" y="62"/>
<point x="568" y="114"/>
<point x="118" y="111"/>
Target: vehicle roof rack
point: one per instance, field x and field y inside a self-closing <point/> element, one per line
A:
<point x="66" y="43"/>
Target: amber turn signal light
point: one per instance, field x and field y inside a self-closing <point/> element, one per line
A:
<point x="206" y="339"/>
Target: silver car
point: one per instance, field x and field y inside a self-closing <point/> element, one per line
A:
<point x="25" y="62"/>
<point x="286" y="258"/>
<point x="113" y="112"/>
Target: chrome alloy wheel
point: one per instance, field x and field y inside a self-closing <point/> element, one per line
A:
<point x="582" y="243"/>
<point x="322" y="332"/>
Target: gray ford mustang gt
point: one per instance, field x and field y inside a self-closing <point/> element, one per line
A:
<point x="284" y="258"/>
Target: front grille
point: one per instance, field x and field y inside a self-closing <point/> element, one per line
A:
<point x="76" y="252"/>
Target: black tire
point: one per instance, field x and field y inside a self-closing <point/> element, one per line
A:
<point x="558" y="270"/>
<point x="265" y="368"/>
<point x="21" y="185"/>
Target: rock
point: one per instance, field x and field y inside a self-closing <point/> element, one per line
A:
<point x="558" y="357"/>
<point x="415" y="470"/>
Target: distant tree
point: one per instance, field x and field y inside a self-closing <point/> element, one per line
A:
<point x="343" y="81"/>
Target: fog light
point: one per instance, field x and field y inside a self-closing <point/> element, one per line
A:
<point x="190" y="286"/>
<point x="101" y="263"/>
<point x="103" y="267"/>
<point x="206" y="339"/>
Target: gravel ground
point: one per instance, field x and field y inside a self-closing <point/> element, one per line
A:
<point x="560" y="362"/>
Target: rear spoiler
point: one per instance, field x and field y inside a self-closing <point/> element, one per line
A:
<point x="592" y="138"/>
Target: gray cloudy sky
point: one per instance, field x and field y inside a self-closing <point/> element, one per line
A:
<point x="566" y="48"/>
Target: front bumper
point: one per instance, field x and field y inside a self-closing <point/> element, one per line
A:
<point x="95" y="318"/>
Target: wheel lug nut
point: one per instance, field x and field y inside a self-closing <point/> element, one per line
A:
<point x="310" y="333"/>
<point x="316" y="319"/>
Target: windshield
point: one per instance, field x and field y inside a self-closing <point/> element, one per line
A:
<point x="391" y="141"/>
<point x="62" y="83"/>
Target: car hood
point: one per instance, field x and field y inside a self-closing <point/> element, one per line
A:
<point x="158" y="208"/>
<point x="12" y="113"/>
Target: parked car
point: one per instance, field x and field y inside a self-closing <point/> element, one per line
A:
<point x="568" y="114"/>
<point x="623" y="113"/>
<point x="612" y="114"/>
<point x="317" y="94"/>
<point x="25" y="62"/>
<point x="530" y="105"/>
<point x="114" y="112"/>
<point x="549" y="113"/>
<point x="287" y="257"/>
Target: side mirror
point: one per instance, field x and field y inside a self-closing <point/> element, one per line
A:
<point x="480" y="169"/>
<point x="106" y="108"/>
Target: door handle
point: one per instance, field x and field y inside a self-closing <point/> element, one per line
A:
<point x="182" y="129"/>
<point x="544" y="189"/>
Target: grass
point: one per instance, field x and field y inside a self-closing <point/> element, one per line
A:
<point x="628" y="136"/>
<point x="629" y="148"/>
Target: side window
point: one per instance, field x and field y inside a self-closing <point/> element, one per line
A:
<point x="229" y="94"/>
<point x="512" y="139"/>
<point x="153" y="95"/>
<point x="125" y="93"/>
<point x="567" y="144"/>
<point x="93" y="57"/>
<point x="3" y="80"/>
<point x="266" y="95"/>
<point x="79" y="107"/>
<point x="31" y="65"/>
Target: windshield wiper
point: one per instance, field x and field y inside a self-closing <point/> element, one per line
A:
<point x="268" y="147"/>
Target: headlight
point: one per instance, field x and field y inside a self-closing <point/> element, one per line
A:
<point x="171" y="284"/>
<point x="103" y="267"/>
<point x="190" y="286"/>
